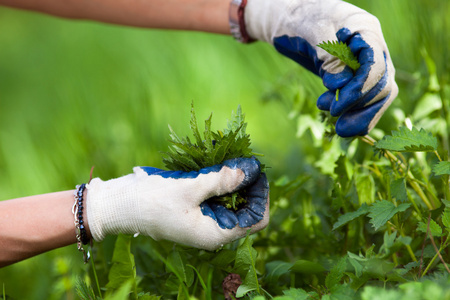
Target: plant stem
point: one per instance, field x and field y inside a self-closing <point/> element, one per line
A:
<point x="437" y="154"/>
<point x="438" y="251"/>
<point x="410" y="177"/>
<point x="408" y="247"/>
<point x="96" y="278"/>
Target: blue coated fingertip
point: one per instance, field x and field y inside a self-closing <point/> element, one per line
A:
<point x="250" y="166"/>
<point x="247" y="218"/>
<point x="344" y="34"/>
<point x="357" y="122"/>
<point x="260" y="188"/>
<point x="338" y="80"/>
<point x="357" y="44"/>
<point x="224" y="217"/>
<point x="207" y="211"/>
<point x="325" y="100"/>
<point x="300" y="51"/>
<point x="257" y="205"/>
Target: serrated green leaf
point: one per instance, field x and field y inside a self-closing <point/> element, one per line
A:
<point x="148" y="296"/>
<point x="208" y="135"/>
<point x="382" y="211"/>
<point x="224" y="258"/>
<point x="441" y="168"/>
<point x="405" y="140"/>
<point x="298" y="294"/>
<point x="83" y="290"/>
<point x="398" y="189"/>
<point x="435" y="228"/>
<point x="446" y="218"/>
<point x="341" y="51"/>
<point x="350" y="216"/>
<point x="337" y="272"/>
<point x="342" y="292"/>
<point x="123" y="270"/>
<point x="177" y="261"/>
<point x="365" y="188"/>
<point x="122" y="292"/>
<point x="275" y="269"/>
<point x="194" y="127"/>
<point x="355" y="264"/>
<point x="245" y="266"/>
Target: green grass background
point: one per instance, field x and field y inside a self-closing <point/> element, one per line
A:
<point x="76" y="94"/>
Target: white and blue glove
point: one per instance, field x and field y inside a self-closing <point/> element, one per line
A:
<point x="296" y="27"/>
<point x="171" y="205"/>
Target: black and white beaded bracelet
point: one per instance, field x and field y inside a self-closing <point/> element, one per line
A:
<point x="80" y="229"/>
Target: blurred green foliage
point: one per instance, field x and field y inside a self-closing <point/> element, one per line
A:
<point x="76" y="94"/>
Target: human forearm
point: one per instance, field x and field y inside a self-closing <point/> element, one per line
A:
<point x="200" y="15"/>
<point x="36" y="224"/>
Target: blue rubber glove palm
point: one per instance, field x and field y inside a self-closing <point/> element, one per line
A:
<point x="172" y="205"/>
<point x="296" y="27"/>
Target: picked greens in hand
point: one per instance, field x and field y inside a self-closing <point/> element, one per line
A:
<point x="210" y="149"/>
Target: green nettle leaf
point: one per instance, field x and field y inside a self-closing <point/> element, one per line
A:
<point x="350" y="216"/>
<point x="337" y="272"/>
<point x="405" y="140"/>
<point x="245" y="266"/>
<point x="365" y="187"/>
<point x="83" y="290"/>
<point x="382" y="211"/>
<point x="354" y="260"/>
<point x="177" y="261"/>
<point x="275" y="269"/>
<point x="341" y="51"/>
<point x="398" y="189"/>
<point x="123" y="267"/>
<point x="298" y="294"/>
<point x="446" y="218"/>
<point x="123" y="291"/>
<point x="441" y="168"/>
<point x="435" y="228"/>
<point x="223" y="258"/>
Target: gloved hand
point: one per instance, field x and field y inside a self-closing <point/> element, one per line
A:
<point x="296" y="27"/>
<point x="171" y="204"/>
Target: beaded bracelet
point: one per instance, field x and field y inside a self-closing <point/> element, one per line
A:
<point x="81" y="233"/>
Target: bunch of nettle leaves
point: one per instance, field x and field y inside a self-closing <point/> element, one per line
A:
<point x="213" y="148"/>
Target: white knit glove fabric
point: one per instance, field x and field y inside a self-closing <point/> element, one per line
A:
<point x="164" y="208"/>
<point x="296" y="27"/>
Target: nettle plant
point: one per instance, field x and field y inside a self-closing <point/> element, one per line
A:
<point x="359" y="218"/>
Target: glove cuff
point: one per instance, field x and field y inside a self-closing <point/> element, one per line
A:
<point x="112" y="206"/>
<point x="262" y="17"/>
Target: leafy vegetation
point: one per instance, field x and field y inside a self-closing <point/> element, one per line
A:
<point x="365" y="219"/>
<point x="341" y="51"/>
<point x="211" y="149"/>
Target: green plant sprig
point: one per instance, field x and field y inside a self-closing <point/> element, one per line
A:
<point x="343" y="52"/>
<point x="210" y="149"/>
